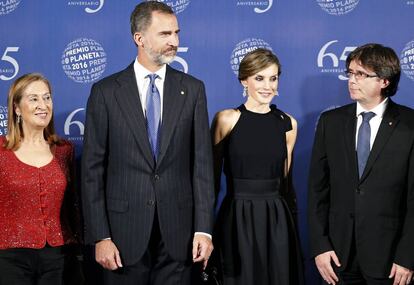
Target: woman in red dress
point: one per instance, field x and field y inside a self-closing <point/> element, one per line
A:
<point x="35" y="187"/>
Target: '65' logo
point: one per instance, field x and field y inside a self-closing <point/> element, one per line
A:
<point x="258" y="10"/>
<point x="90" y="6"/>
<point x="266" y="4"/>
<point x="69" y="122"/>
<point x="9" y="70"/>
<point x="181" y="60"/>
<point x="89" y="10"/>
<point x="334" y="68"/>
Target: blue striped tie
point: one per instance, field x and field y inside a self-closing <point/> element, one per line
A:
<point x="153" y="111"/>
<point x="363" y="144"/>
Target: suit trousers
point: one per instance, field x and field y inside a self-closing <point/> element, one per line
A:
<point x="26" y="266"/>
<point x="353" y="275"/>
<point x="156" y="267"/>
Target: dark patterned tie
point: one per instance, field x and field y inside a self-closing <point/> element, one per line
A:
<point x="153" y="111"/>
<point x="364" y="136"/>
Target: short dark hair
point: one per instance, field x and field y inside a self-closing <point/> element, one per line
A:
<point x="381" y="60"/>
<point x="256" y="61"/>
<point x="141" y="17"/>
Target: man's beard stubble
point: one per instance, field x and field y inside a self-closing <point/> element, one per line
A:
<point x="159" y="57"/>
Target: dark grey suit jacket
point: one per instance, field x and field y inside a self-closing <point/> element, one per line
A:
<point x="122" y="187"/>
<point x="378" y="209"/>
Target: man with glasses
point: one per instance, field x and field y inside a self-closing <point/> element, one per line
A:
<point x="361" y="180"/>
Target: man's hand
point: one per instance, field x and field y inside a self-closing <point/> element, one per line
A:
<point x="107" y="255"/>
<point x="323" y="262"/>
<point x="202" y="248"/>
<point x="401" y="275"/>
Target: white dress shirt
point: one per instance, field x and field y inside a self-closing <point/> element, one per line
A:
<point x="143" y="81"/>
<point x="374" y="123"/>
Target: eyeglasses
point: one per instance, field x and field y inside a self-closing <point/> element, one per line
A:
<point x="359" y="75"/>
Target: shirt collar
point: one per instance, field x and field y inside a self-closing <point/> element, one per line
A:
<point x="141" y="72"/>
<point x="378" y="110"/>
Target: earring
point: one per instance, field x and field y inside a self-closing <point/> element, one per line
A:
<point x="19" y="119"/>
<point x="245" y="91"/>
<point x="277" y="93"/>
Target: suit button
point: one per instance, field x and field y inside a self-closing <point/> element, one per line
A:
<point x="351" y="216"/>
<point x="358" y="191"/>
<point x="156" y="177"/>
<point x="150" y="202"/>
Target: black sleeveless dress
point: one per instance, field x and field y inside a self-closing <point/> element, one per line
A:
<point x="255" y="234"/>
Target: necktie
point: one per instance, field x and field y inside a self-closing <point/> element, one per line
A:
<point x="153" y="112"/>
<point x="363" y="145"/>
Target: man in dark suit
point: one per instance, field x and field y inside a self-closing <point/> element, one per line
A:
<point x="147" y="164"/>
<point x="361" y="181"/>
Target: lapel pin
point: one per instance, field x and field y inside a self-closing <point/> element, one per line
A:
<point x="390" y="123"/>
<point x="182" y="92"/>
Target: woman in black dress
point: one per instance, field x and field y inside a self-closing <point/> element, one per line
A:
<point x="255" y="236"/>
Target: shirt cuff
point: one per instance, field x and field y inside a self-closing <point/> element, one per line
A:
<point x="108" y="238"/>
<point x="204" y="234"/>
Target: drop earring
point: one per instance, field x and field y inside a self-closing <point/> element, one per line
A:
<point x="244" y="91"/>
<point x="19" y="119"/>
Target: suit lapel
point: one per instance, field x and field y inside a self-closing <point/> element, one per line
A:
<point x="388" y="124"/>
<point x="174" y="97"/>
<point x="350" y="130"/>
<point x="128" y="99"/>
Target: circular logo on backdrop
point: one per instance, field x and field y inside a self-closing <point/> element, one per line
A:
<point x="338" y="7"/>
<point x="8" y="6"/>
<point x="407" y="60"/>
<point x="259" y="6"/>
<point x="3" y="120"/>
<point x="177" y="5"/>
<point x="84" y="60"/>
<point x="244" y="47"/>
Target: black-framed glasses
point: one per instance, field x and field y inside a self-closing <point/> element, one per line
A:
<point x="359" y="75"/>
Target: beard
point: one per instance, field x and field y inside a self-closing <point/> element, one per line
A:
<point x="161" y="57"/>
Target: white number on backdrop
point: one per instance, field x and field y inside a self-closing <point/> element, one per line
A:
<point x="257" y="10"/>
<point x="12" y="61"/>
<point x="69" y="122"/>
<point x="181" y="60"/>
<point x="90" y="11"/>
<point x="335" y="61"/>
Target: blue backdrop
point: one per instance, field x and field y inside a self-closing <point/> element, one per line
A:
<point x="74" y="43"/>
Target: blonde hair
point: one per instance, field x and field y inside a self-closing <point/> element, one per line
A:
<point x="14" y="128"/>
